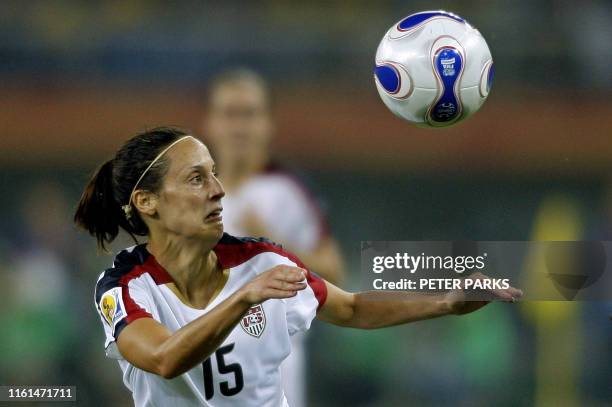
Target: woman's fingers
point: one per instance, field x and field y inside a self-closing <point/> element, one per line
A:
<point x="509" y="294"/>
<point x="280" y="282"/>
<point x="503" y="295"/>
<point x="290" y="274"/>
<point x="287" y="286"/>
<point x="515" y="292"/>
<point x="278" y="294"/>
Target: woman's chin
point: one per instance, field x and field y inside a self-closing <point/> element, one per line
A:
<point x="214" y="231"/>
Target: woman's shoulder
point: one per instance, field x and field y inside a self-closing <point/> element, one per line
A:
<point x="233" y="251"/>
<point x="127" y="262"/>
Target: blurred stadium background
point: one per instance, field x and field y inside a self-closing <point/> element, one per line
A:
<point x="78" y="77"/>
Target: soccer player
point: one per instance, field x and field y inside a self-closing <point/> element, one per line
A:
<point x="199" y="317"/>
<point x="263" y="199"/>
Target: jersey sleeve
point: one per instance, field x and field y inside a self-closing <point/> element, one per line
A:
<point x="119" y="301"/>
<point x="302" y="308"/>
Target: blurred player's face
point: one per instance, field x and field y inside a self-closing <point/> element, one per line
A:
<point x="239" y="123"/>
<point x="189" y="201"/>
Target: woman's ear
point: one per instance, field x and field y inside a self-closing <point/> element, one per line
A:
<point x="145" y="202"/>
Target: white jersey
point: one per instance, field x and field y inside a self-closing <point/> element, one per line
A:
<point x="244" y="370"/>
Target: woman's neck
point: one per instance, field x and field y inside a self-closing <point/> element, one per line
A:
<point x="191" y="264"/>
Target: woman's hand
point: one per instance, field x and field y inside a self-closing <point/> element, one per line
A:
<point x="461" y="302"/>
<point x="278" y="282"/>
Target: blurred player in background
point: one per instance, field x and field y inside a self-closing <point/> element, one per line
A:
<point x="263" y="199"/>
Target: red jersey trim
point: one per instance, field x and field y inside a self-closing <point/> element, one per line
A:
<point x="233" y="254"/>
<point x="157" y="273"/>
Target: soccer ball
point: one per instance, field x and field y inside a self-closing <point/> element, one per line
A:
<point x="433" y="69"/>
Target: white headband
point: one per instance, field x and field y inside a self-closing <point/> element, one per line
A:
<point x="128" y="207"/>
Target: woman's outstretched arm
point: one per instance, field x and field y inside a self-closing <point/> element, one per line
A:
<point x="378" y="309"/>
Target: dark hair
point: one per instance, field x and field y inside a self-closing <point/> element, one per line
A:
<point x="100" y="209"/>
<point x="237" y="75"/>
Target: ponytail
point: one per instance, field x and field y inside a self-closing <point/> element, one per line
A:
<point x="106" y="204"/>
<point x="98" y="212"/>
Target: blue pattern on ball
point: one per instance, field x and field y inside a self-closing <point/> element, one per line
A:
<point x="416" y="19"/>
<point x="388" y="77"/>
<point x="448" y="63"/>
<point x="490" y="77"/>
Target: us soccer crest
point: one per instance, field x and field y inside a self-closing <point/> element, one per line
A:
<point x="254" y="321"/>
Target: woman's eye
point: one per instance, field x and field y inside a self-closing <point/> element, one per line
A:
<point x="196" y="180"/>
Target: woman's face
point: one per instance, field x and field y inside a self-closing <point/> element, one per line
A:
<point x="189" y="201"/>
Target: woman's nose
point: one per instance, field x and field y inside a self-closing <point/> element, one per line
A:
<point x="217" y="191"/>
